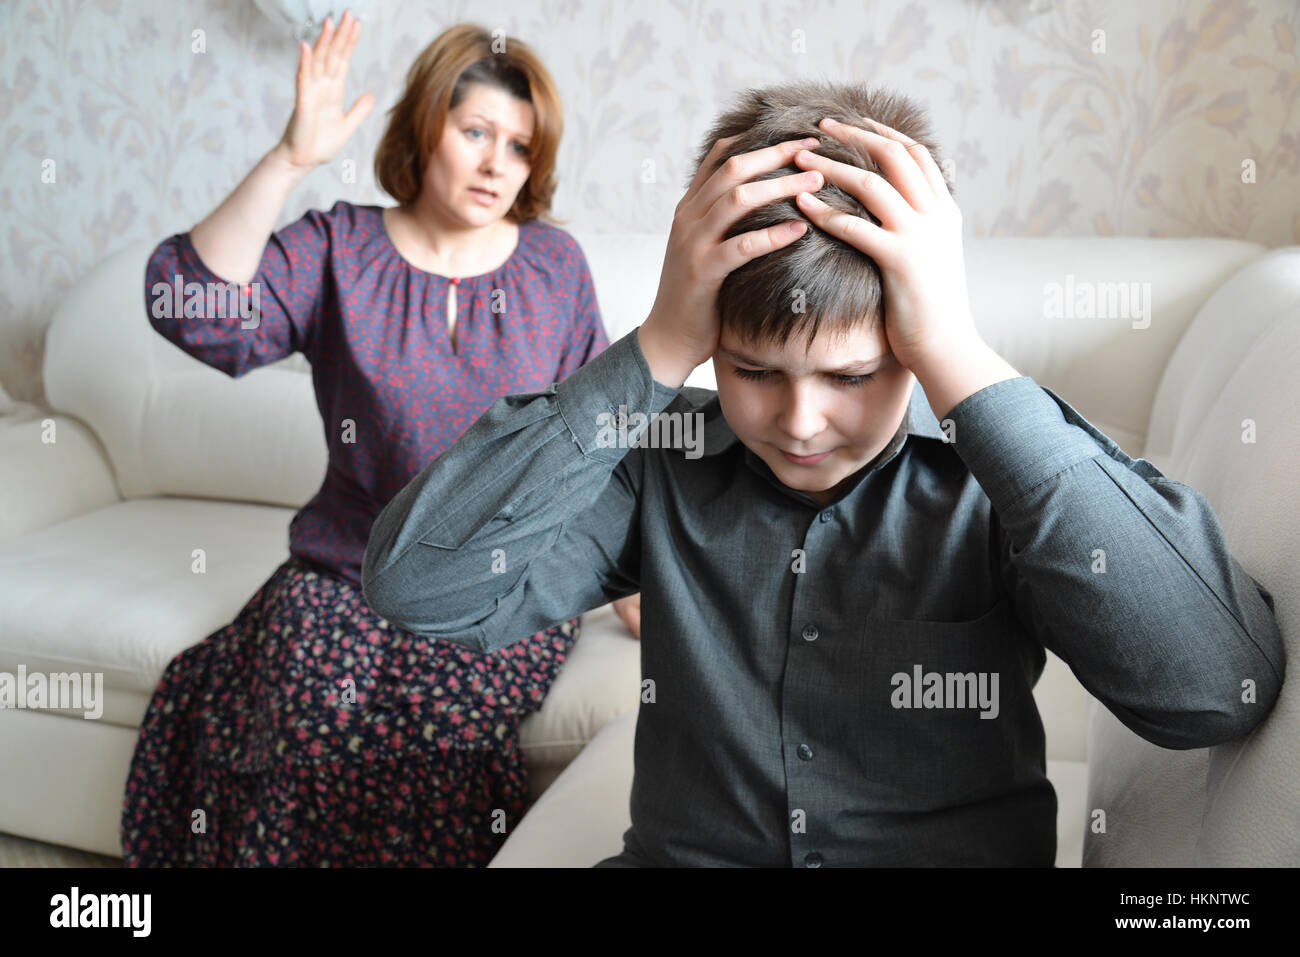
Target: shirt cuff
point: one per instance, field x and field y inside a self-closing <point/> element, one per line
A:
<point x="616" y="382"/>
<point x="1015" y="434"/>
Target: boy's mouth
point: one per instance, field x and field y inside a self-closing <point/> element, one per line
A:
<point x="805" y="459"/>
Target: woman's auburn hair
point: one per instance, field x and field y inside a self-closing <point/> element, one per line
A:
<point x="438" y="80"/>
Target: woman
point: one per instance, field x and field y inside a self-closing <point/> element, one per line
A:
<point x="310" y="731"/>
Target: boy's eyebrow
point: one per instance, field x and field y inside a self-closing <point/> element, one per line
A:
<point x="862" y="365"/>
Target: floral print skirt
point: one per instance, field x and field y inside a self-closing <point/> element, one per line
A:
<point x="310" y="732"/>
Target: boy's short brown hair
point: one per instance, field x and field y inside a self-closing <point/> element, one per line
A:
<point x="817" y="283"/>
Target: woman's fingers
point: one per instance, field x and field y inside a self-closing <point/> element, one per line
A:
<point x="322" y="46"/>
<point x="360" y="110"/>
<point x="353" y="36"/>
<point x="334" y="59"/>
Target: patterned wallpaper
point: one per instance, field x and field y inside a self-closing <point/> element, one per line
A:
<point x="1064" y="117"/>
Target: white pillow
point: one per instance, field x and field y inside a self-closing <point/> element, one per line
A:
<point x="600" y="680"/>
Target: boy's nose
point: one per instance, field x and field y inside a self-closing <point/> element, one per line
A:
<point x="802" y="420"/>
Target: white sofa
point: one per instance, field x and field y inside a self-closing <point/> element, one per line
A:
<point x="156" y="455"/>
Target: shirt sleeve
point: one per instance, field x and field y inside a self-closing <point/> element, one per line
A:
<point x="588" y="338"/>
<point x="530" y="518"/>
<point x="237" y="328"/>
<point x="1121" y="571"/>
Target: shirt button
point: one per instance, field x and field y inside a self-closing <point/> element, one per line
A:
<point x="805" y="752"/>
<point x="825" y="516"/>
<point x="810" y="633"/>
<point x="812" y="860"/>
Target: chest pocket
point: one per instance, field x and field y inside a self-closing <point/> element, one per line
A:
<point x="941" y="716"/>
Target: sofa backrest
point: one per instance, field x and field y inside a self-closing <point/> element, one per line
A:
<point x="170" y="424"/>
<point x="173" y="426"/>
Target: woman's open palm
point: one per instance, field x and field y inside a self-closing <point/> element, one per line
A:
<point x="319" y="127"/>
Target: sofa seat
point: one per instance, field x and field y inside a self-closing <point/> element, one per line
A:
<point x="114" y="591"/>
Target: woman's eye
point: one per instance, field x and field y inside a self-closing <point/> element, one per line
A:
<point x="520" y="148"/>
<point x="846" y="380"/>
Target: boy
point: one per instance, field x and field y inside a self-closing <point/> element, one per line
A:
<point x="848" y="589"/>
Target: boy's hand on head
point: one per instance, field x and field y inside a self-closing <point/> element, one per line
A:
<point x="918" y="244"/>
<point x="683" y="327"/>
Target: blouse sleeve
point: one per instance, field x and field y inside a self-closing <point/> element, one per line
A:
<point x="237" y="328"/>
<point x="587" y="337"/>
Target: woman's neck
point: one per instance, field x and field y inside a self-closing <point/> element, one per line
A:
<point x="450" y="251"/>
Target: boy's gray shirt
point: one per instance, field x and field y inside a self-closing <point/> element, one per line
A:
<point x="847" y="685"/>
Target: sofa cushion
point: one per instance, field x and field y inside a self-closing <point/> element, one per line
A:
<point x="51" y="468"/>
<point x="113" y="591"/>
<point x="170" y="424"/>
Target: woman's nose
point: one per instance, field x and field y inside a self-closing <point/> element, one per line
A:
<point x="494" y="155"/>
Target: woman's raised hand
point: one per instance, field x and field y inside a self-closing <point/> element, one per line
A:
<point x="319" y="127"/>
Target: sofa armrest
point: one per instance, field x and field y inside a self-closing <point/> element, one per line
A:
<point x="51" y="469"/>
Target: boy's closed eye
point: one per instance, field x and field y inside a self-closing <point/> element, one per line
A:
<point x="759" y="375"/>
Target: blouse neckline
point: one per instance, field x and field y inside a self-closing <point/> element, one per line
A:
<point x="388" y="240"/>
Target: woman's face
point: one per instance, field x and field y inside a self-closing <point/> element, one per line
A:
<point x="484" y="146"/>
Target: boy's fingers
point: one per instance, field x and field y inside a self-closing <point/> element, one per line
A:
<point x="901" y="167"/>
<point x="858" y="231"/>
<point x="922" y="155"/>
<point x="745" y="166"/>
<point x="738" y="250"/>
<point x="873" y="191"/>
<point x="706" y="166"/>
<point x="740" y="199"/>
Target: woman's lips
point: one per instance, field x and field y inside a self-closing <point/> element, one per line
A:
<point x="805" y="459"/>
<point x="483" y="196"/>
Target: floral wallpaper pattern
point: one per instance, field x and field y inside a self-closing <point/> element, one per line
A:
<point x="124" y="120"/>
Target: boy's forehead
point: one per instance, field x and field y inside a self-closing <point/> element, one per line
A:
<point x="859" y="347"/>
